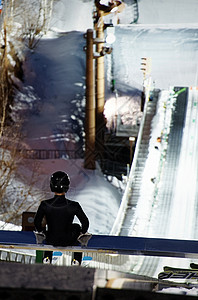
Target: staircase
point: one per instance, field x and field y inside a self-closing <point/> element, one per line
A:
<point x="140" y="164"/>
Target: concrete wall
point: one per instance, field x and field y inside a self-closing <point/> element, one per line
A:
<point x="40" y="282"/>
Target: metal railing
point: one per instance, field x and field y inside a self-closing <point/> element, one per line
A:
<point x="108" y="261"/>
<point x="16" y="256"/>
<point x="115" y="262"/>
<point x="113" y="168"/>
<point x="50" y="154"/>
<point x="108" y="167"/>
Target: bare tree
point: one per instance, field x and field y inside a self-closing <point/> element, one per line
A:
<point x="16" y="193"/>
<point x="4" y="82"/>
<point x="34" y="17"/>
<point x="31" y="16"/>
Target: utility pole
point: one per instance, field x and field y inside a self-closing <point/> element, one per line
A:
<point x="100" y="86"/>
<point x="101" y="11"/>
<point x="95" y="121"/>
<point x="89" y="162"/>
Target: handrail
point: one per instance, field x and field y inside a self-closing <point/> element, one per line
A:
<point x="50" y="153"/>
<point x="16" y="256"/>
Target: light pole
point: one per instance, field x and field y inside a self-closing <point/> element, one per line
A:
<point x="131" y="143"/>
<point x="100" y="86"/>
<point x="94" y="119"/>
<point x="89" y="162"/>
<point x="101" y="11"/>
<point x="90" y="114"/>
<point x="146" y="68"/>
<point x="90" y="117"/>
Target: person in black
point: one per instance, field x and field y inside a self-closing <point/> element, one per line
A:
<point x="59" y="213"/>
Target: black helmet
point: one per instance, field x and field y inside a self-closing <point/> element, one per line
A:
<point x="59" y="182"/>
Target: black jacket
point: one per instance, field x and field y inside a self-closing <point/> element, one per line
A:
<point x="59" y="213"/>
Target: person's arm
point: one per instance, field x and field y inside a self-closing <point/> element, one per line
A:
<point x="39" y="217"/>
<point x="82" y="218"/>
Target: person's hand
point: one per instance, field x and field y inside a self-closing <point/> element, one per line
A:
<point x="84" y="238"/>
<point x="40" y="237"/>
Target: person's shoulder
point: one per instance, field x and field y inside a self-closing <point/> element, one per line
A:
<point x="72" y="202"/>
<point x="47" y="201"/>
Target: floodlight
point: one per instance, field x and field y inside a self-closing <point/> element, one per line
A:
<point x="110" y="38"/>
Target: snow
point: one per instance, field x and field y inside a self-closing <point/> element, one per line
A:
<point x="182" y="291"/>
<point x="97" y="196"/>
<point x="68" y="17"/>
<point x="168" y="12"/>
<point x="53" y="94"/>
<point x="9" y="226"/>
